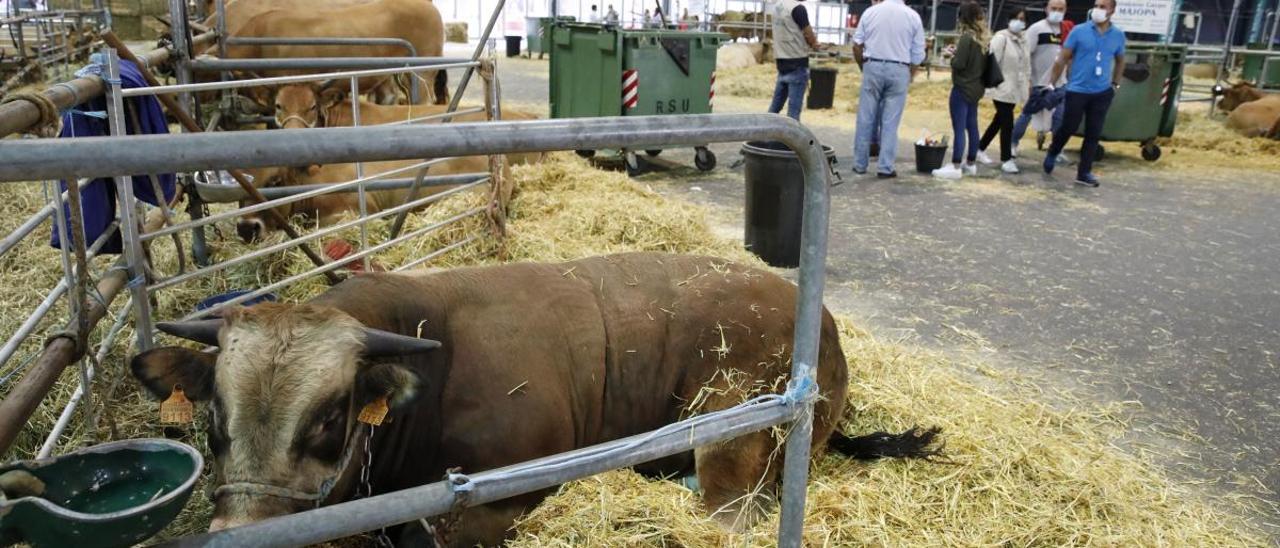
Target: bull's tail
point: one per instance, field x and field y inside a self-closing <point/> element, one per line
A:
<point x="912" y="444"/>
<point x="441" y="87"/>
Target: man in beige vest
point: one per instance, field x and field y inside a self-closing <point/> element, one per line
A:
<point x="793" y="39"/>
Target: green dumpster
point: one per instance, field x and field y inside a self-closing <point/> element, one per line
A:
<point x="1261" y="69"/>
<point x="604" y="71"/>
<point x="1146" y="105"/>
<point x="538" y="31"/>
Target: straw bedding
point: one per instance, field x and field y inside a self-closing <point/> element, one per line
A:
<point x="1025" y="467"/>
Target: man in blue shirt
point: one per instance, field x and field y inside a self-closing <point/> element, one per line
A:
<point x="1095" y="53"/>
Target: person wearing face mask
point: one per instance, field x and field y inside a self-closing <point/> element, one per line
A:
<point x="1010" y="49"/>
<point x="1045" y="38"/>
<point x="1095" y="54"/>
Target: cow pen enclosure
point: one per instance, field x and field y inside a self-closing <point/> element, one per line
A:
<point x="172" y="260"/>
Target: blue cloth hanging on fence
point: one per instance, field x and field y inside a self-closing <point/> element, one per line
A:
<point x="143" y="116"/>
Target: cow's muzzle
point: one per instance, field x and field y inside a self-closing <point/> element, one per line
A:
<point x="250" y="230"/>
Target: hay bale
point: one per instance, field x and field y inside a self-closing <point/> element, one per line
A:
<point x="762" y="51"/>
<point x="734" y="57"/>
<point x="456" y="32"/>
<point x="1201" y="70"/>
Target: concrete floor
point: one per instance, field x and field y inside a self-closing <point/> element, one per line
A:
<point x="1160" y="287"/>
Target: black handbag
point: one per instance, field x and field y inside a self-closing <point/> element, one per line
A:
<point x="992" y="76"/>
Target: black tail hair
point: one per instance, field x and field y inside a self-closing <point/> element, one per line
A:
<point x="441" y="87"/>
<point x="912" y="444"/>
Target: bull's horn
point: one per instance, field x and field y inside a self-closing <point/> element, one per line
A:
<point x="201" y="331"/>
<point x="384" y="344"/>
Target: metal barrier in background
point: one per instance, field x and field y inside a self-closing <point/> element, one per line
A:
<point x="117" y="157"/>
<point x="33" y="43"/>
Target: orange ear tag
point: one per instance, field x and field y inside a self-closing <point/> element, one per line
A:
<point x="177" y="409"/>
<point x="374" y="412"/>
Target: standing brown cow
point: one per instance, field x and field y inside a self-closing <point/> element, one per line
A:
<point x="417" y="21"/>
<point x="536" y="359"/>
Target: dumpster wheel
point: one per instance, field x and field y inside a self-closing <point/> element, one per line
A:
<point x="1150" y="151"/>
<point x="653" y="152"/>
<point x="632" y="161"/>
<point x="585" y="153"/>
<point x="704" y="159"/>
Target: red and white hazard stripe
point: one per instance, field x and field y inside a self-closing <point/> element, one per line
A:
<point x="630" y="88"/>
<point x="711" y="98"/>
<point x="1164" y="94"/>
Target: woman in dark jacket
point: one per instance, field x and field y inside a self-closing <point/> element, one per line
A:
<point x="967" y="66"/>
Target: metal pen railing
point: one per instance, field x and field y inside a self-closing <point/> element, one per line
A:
<point x="149" y="154"/>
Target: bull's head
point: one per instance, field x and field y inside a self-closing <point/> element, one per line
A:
<point x="284" y="394"/>
<point x="1238" y="94"/>
<point x="303" y="106"/>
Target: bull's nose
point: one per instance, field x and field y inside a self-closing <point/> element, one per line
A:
<point x="249" y="230"/>
<point x="219" y="524"/>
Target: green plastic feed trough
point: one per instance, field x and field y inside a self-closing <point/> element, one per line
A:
<point x="114" y="494"/>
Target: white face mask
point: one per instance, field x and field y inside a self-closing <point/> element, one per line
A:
<point x="1016" y="26"/>
<point x="1055" y="17"/>
<point x="1098" y="16"/>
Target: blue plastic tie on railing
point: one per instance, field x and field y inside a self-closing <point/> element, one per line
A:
<point x="137" y="282"/>
<point x="800" y="390"/>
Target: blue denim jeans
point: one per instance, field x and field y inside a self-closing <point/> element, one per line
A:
<point x="1041" y="99"/>
<point x="884" y="95"/>
<point x="964" y="123"/>
<point x="790" y="90"/>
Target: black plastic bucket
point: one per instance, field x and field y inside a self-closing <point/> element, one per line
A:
<point x="822" y="87"/>
<point x="513" y="46"/>
<point x="775" y="201"/>
<point x="929" y="157"/>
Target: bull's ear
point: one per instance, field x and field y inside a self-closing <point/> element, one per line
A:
<point x="329" y="96"/>
<point x="313" y="170"/>
<point x="396" y="382"/>
<point x="160" y="369"/>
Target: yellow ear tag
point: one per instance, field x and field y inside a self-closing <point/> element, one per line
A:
<point x="374" y="412"/>
<point x="177" y="409"/>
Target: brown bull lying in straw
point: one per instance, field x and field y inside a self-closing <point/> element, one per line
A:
<point x="620" y="345"/>
<point x="327" y="208"/>
<point x="1252" y="112"/>
<point x="327" y="105"/>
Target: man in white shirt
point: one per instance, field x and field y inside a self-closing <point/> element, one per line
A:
<point x="594" y="17"/>
<point x="889" y="46"/>
<point x="611" y="16"/>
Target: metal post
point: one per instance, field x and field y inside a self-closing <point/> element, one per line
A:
<point x="360" y="192"/>
<point x="1275" y="27"/>
<point x="128" y="224"/>
<point x="182" y="49"/>
<point x="1226" y="50"/>
<point x="475" y="56"/>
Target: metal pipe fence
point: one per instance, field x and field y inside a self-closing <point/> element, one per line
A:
<point x="149" y="154"/>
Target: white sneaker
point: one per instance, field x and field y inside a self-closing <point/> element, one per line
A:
<point x="969" y="169"/>
<point x="949" y="171"/>
<point x="1009" y="167"/>
<point x="986" y="160"/>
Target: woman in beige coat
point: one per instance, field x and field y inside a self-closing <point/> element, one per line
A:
<point x="1012" y="51"/>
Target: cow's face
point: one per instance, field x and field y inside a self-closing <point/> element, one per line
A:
<point x="303" y="106"/>
<point x="253" y="226"/>
<point x="1238" y="94"/>
<point x="283" y="393"/>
